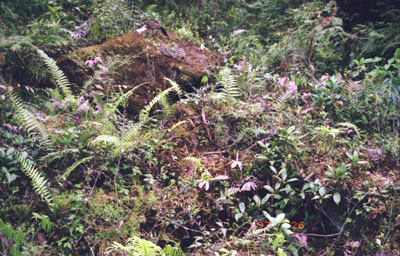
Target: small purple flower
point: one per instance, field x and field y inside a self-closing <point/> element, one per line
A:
<point x="56" y="103"/>
<point x="248" y="186"/>
<point x="307" y="95"/>
<point x="236" y="162"/>
<point x="103" y="68"/>
<point x="90" y="63"/>
<point x="98" y="59"/>
<point x="324" y="78"/>
<point x="98" y="109"/>
<point x="80" y="31"/>
<point x="81" y="100"/>
<point x="74" y="35"/>
<point x="85" y="108"/>
<point x="292" y="86"/>
<point x="340" y="76"/>
<point x="282" y="81"/>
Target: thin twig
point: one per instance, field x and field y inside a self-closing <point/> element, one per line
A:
<point x="203" y="116"/>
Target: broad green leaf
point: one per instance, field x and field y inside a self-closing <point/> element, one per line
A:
<point x="336" y="198"/>
<point x="238" y="216"/>
<point x="257" y="200"/>
<point x="269" y="188"/>
<point x="322" y="191"/>
<point x="242" y="207"/>
<point x="280" y="217"/>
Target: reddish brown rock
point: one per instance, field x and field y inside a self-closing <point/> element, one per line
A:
<point x="155" y="55"/>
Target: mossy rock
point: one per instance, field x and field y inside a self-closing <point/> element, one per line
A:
<point x="155" y="56"/>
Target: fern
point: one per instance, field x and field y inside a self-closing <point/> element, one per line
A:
<point x="76" y="164"/>
<point x="160" y="98"/>
<point x="57" y="154"/>
<point x="137" y="246"/>
<point x="228" y="82"/>
<point x="29" y="120"/>
<point x="58" y="75"/>
<point x="256" y="131"/>
<point x="38" y="181"/>
<point x="283" y="98"/>
<point x="132" y="133"/>
<point x="116" y="142"/>
<point x="121" y="143"/>
<point x="121" y="99"/>
<point x="106" y="140"/>
<point x="352" y="126"/>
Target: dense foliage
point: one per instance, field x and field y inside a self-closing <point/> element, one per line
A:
<point x="291" y="148"/>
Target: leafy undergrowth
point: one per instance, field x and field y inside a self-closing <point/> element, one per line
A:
<point x="281" y="155"/>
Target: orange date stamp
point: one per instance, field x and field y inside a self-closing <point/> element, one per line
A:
<point x="294" y="225"/>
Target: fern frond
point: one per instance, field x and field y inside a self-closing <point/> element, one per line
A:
<point x="105" y="140"/>
<point x="121" y="99"/>
<point x="60" y="79"/>
<point x="72" y="167"/>
<point x="28" y="120"/>
<point x="38" y="181"/>
<point x="228" y="82"/>
<point x="283" y="98"/>
<point x="57" y="154"/>
<point x="137" y="246"/>
<point x="133" y="132"/>
<point x="260" y="131"/>
<point x="86" y="85"/>
<point x="160" y="98"/>
<point x="166" y="103"/>
<point x="352" y="126"/>
<point x="256" y="131"/>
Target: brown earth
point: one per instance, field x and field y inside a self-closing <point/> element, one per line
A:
<point x="155" y="55"/>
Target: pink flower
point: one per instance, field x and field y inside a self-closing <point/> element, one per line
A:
<point x="74" y="35"/>
<point x="56" y="103"/>
<point x="236" y="162"/>
<point x="103" y="68"/>
<point x="292" y="86"/>
<point x="324" y="78"/>
<point x="81" y="100"/>
<point x="98" y="59"/>
<point x="248" y="186"/>
<point x="282" y="81"/>
<point x="98" y="109"/>
<point x="340" y="76"/>
<point x="307" y="95"/>
<point x="85" y="108"/>
<point x="90" y="63"/>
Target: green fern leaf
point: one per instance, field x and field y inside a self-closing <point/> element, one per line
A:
<point x="137" y="246"/>
<point x="58" y="75"/>
<point x="29" y="121"/>
<point x="121" y="99"/>
<point x="159" y="99"/>
<point x="76" y="164"/>
<point x="350" y="125"/>
<point x="106" y="140"/>
<point x="38" y="181"/>
<point x="58" y="154"/>
<point x="228" y="82"/>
